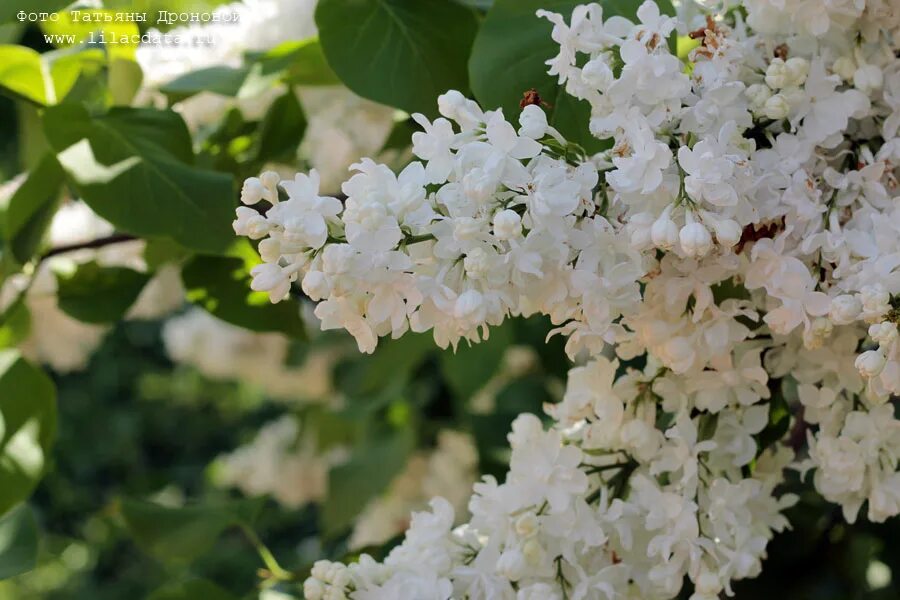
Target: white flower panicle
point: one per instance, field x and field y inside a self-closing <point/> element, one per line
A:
<point x="740" y="238"/>
<point x="227" y="352"/>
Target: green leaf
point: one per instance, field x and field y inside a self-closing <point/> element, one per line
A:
<point x="124" y="80"/>
<point x="281" y="130"/>
<point x="161" y="251"/>
<point x="180" y="535"/>
<point x="96" y="294"/>
<point x="398" y="52"/>
<point x="392" y="362"/>
<point x="192" y="589"/>
<point x="226" y="81"/>
<point x="32" y="207"/>
<point x="509" y="56"/>
<point x="15" y="323"/>
<point x="42" y="79"/>
<point x="221" y="286"/>
<point x="20" y="73"/>
<point x="134" y="167"/>
<point x="469" y="368"/>
<point x="27" y="427"/>
<point x="18" y="542"/>
<point x="303" y="63"/>
<point x="368" y="473"/>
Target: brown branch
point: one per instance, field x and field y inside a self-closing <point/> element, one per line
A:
<point x="116" y="238"/>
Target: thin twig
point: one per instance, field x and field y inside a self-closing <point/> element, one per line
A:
<point x="116" y="238"/>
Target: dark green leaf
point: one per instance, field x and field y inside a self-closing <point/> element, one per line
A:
<point x="96" y="294"/>
<point x="281" y="130"/>
<point x="392" y="362"/>
<point x="180" y="535"/>
<point x="368" y="473"/>
<point x="134" y="167"/>
<point x="18" y="542"/>
<point x="192" y="589"/>
<point x="31" y="209"/>
<point x="708" y="424"/>
<point x="226" y="81"/>
<point x="221" y="285"/>
<point x="470" y="367"/>
<point x="28" y="418"/>
<point x="398" y="52"/>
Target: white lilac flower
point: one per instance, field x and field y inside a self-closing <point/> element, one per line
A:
<point x="739" y="237"/>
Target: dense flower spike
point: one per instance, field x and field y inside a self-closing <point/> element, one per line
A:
<point x="737" y="242"/>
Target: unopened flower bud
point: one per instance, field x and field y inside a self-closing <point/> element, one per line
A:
<point x="876" y="302"/>
<point x="844" y="67"/>
<point x="664" y="233"/>
<point x="451" y="103"/>
<point x="476" y="263"/>
<point x="708" y="584"/>
<point x="250" y="223"/>
<point x="468" y="305"/>
<point x="820" y="330"/>
<point x="728" y="232"/>
<point x="466" y="228"/>
<point x="321" y="569"/>
<point x="758" y="94"/>
<point x="533" y="551"/>
<point x="598" y="74"/>
<point x="777" y="74"/>
<point x="313" y="589"/>
<point x="695" y="240"/>
<point x="315" y="285"/>
<point x="527" y="525"/>
<point x="533" y="121"/>
<point x="798" y="69"/>
<point x="269" y="179"/>
<point x="884" y="333"/>
<point x="870" y="363"/>
<point x="270" y="250"/>
<point x="507" y="225"/>
<point x="253" y="191"/>
<point x="845" y="309"/>
<point x="512" y="565"/>
<point x="794" y="95"/>
<point x="868" y="78"/>
<point x="270" y="278"/>
<point x="777" y="107"/>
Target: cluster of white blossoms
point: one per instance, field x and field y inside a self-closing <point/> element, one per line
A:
<point x="448" y="470"/>
<point x="226" y="352"/>
<point x="737" y="248"/>
<point x="281" y="462"/>
<point x="285" y="461"/>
